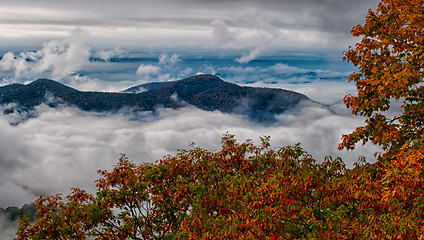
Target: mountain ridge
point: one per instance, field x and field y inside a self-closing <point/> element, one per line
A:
<point x="207" y="92"/>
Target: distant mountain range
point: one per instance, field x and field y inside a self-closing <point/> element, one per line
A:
<point x="206" y="92"/>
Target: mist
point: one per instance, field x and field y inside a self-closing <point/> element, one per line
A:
<point x="64" y="147"/>
<point x="7" y="228"/>
<point x="48" y="151"/>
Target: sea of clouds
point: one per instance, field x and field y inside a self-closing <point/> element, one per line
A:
<point x="63" y="147"/>
<point x="60" y="148"/>
<point x="50" y="150"/>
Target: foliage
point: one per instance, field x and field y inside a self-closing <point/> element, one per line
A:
<point x="242" y="191"/>
<point x="390" y="58"/>
<point x="390" y="61"/>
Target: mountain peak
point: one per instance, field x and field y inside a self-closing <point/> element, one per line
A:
<point x="44" y="84"/>
<point x="44" y="81"/>
<point x="194" y="85"/>
<point x="202" y="78"/>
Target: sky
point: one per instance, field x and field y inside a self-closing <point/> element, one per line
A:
<point x="201" y="24"/>
<point x="112" y="45"/>
<point x="61" y="37"/>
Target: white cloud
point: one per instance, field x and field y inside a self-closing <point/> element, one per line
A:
<point x="64" y="57"/>
<point x="107" y="54"/>
<point x="63" y="148"/>
<point x="164" y="59"/>
<point x="7" y="62"/>
<point x="57" y="59"/>
<point x="187" y="72"/>
<point x="147" y="69"/>
<point x="207" y="70"/>
<point x="286" y="69"/>
<point x="251" y="56"/>
<point x="254" y="30"/>
<point x="316" y="90"/>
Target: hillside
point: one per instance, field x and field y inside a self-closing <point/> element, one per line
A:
<point x="206" y="92"/>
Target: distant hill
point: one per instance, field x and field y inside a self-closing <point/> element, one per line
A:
<point x="206" y="92"/>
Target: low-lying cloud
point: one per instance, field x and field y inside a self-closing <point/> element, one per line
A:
<point x="63" y="148"/>
<point x="7" y="228"/>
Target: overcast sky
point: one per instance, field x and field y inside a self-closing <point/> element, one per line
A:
<point x="229" y="24"/>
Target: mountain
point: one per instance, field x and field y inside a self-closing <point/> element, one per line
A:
<point x="206" y="92"/>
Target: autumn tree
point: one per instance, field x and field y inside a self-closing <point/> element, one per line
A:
<point x="390" y="59"/>
<point x="242" y="191"/>
<point x="390" y="96"/>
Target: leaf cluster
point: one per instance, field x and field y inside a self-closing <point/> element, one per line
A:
<point x="390" y="59"/>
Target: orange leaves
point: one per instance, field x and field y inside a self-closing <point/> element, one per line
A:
<point x="389" y="57"/>
<point x="273" y="194"/>
<point x="242" y="191"/>
<point x="401" y="190"/>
